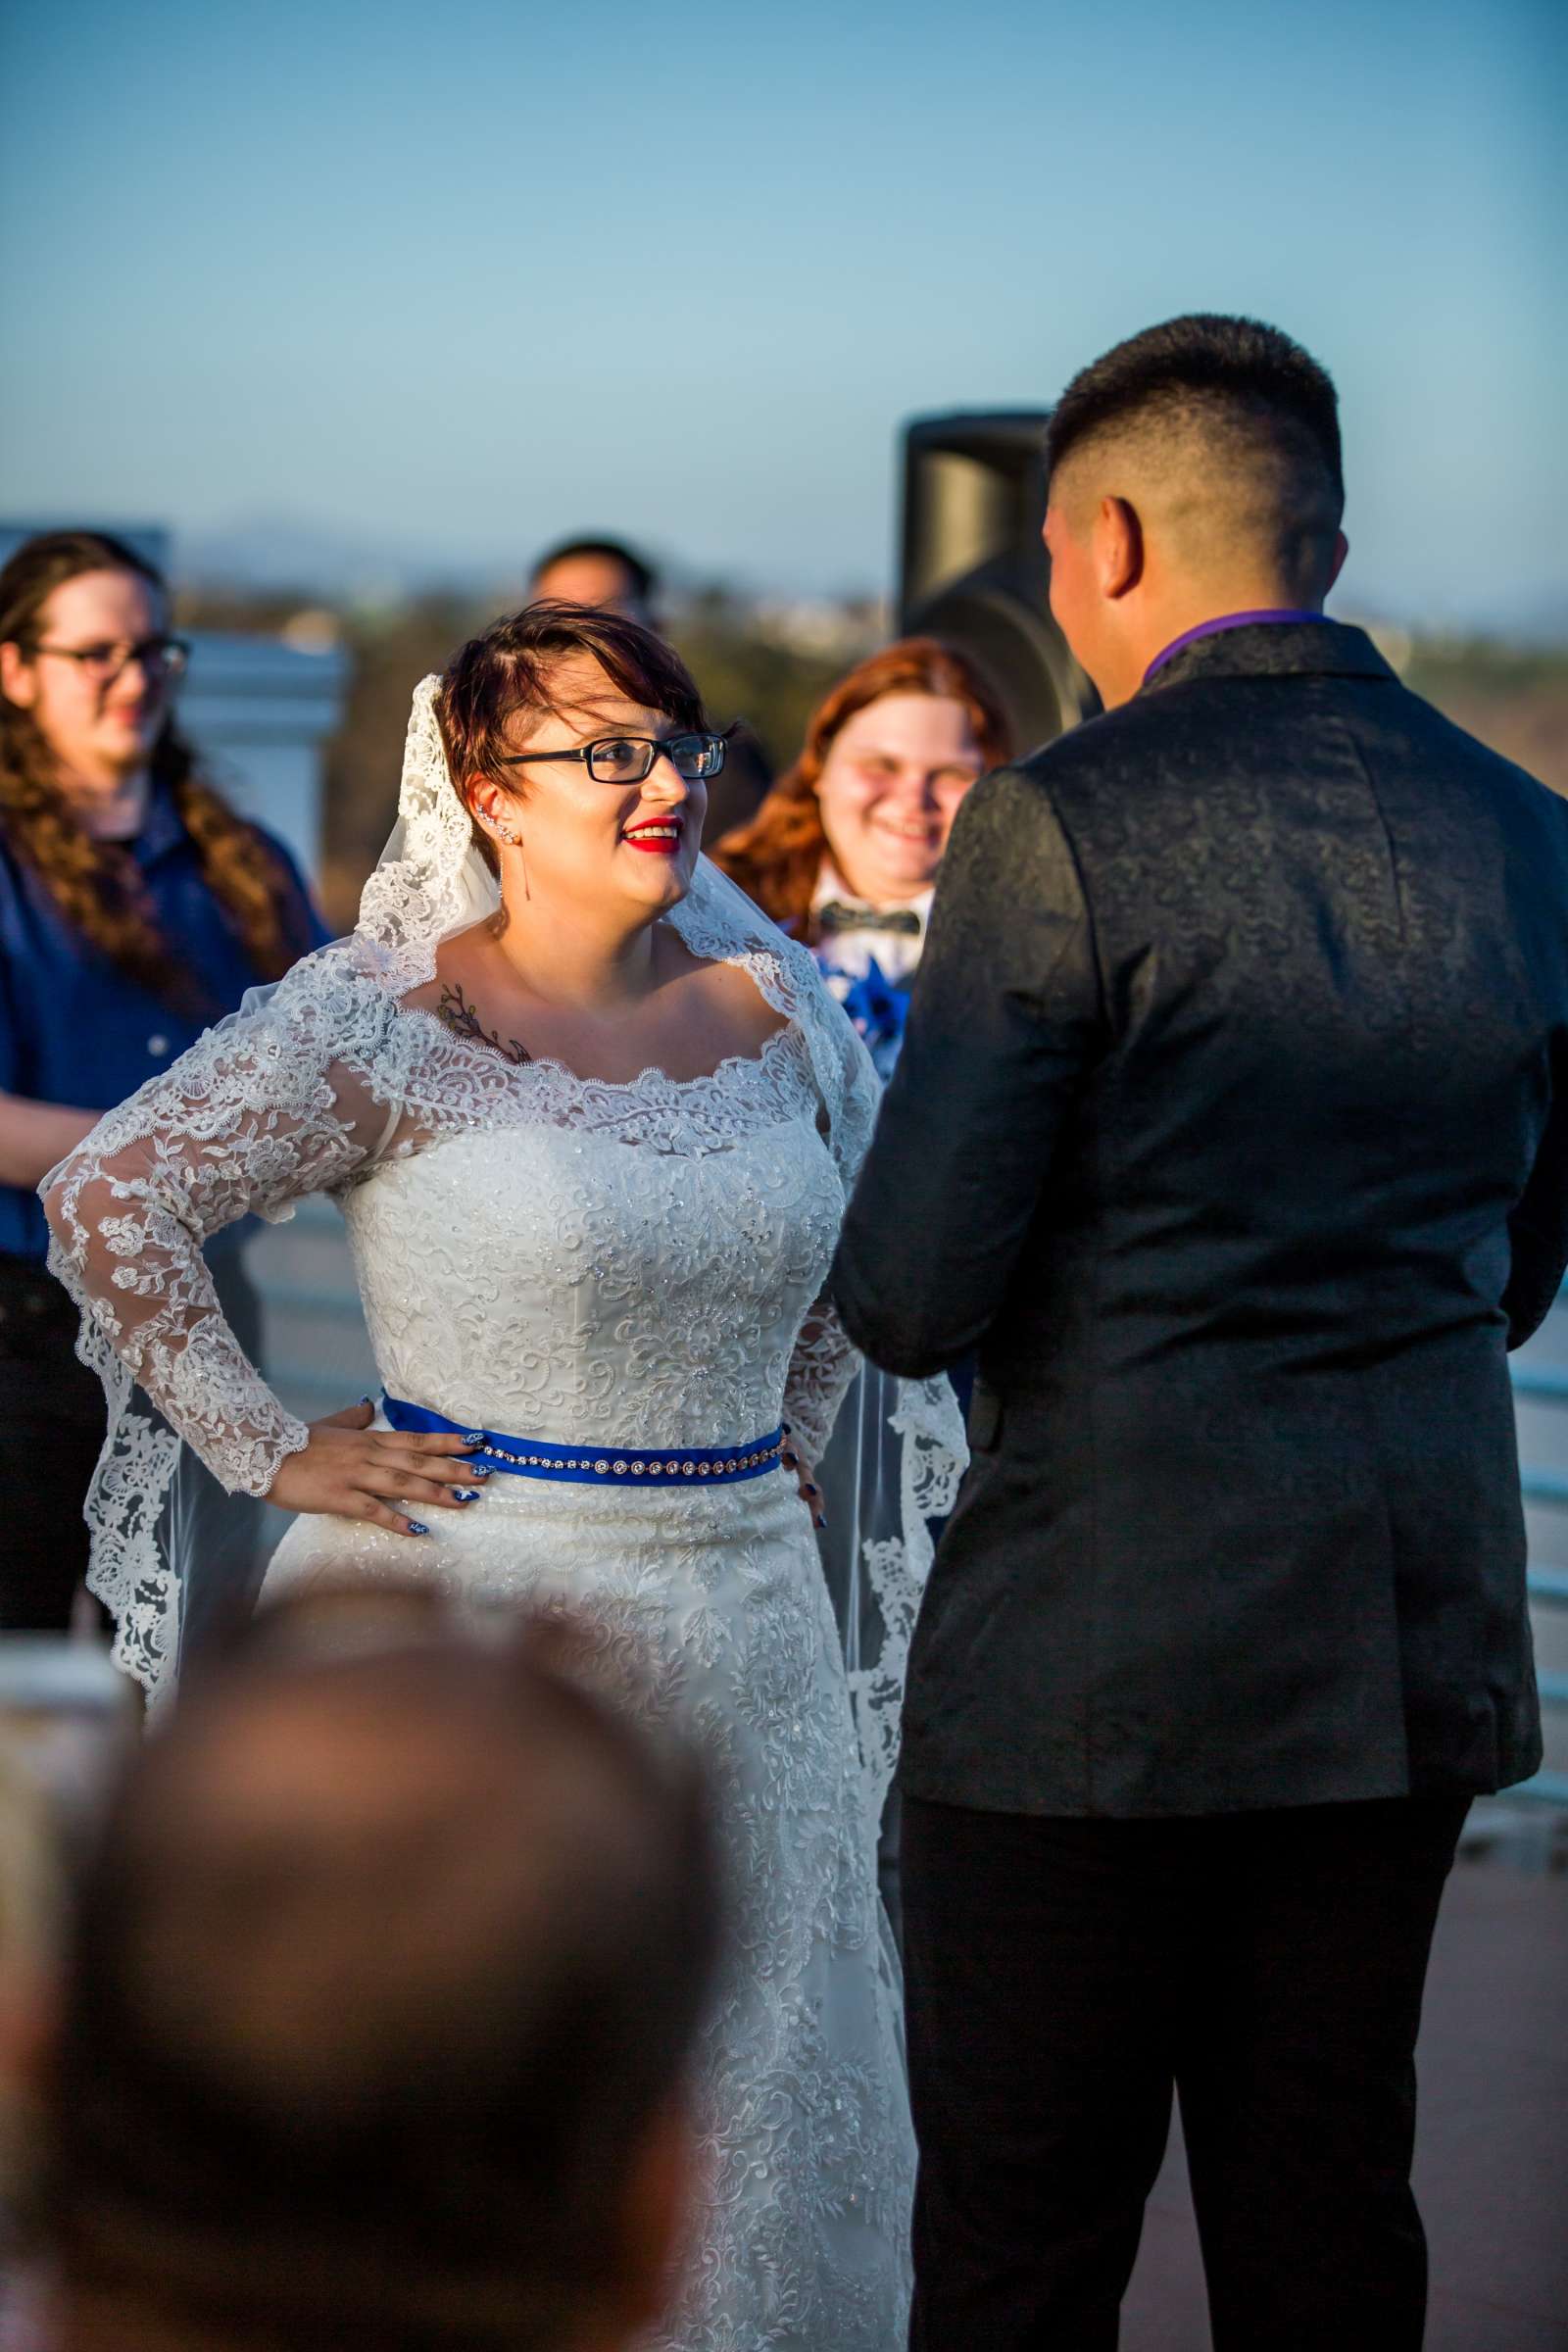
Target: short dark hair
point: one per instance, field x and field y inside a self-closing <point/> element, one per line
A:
<point x="359" y="2043"/>
<point x="510" y="667"/>
<point x="1235" y="370"/>
<point x="640" y="573"/>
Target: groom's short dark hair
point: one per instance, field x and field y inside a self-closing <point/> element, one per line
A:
<point x="387" y="1961"/>
<point x="1223" y="432"/>
<point x="1204" y="364"/>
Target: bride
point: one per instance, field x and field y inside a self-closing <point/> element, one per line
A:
<point x="591" y="1121"/>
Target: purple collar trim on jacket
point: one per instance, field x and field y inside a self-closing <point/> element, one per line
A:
<point x="1225" y="621"/>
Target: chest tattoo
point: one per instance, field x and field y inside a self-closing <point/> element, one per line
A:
<point x="461" y="1015"/>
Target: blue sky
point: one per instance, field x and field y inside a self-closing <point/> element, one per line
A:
<point x="450" y="280"/>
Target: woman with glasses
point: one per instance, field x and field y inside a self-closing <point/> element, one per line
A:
<point x="135" y="908"/>
<point x="591" y="1120"/>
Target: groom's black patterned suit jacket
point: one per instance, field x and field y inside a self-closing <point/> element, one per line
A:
<point x="1232" y="1125"/>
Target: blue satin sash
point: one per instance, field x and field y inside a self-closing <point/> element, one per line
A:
<point x="599" y="1465"/>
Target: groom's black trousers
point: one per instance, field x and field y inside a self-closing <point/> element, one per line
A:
<point x="1064" y="1976"/>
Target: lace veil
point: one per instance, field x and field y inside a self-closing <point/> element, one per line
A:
<point x="298" y="1092"/>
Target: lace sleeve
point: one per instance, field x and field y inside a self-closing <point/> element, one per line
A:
<point x="821" y="1369"/>
<point x="258" y="1114"/>
<point x="825" y="1359"/>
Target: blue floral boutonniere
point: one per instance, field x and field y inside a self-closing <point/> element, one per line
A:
<point x="879" y="1009"/>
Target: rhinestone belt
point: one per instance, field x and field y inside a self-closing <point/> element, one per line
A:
<point x="599" y="1465"/>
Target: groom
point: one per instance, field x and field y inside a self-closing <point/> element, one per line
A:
<point x="1232" y="1127"/>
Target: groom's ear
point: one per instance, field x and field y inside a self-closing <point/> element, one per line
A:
<point x="1118" y="547"/>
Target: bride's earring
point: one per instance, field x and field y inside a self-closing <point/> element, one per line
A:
<point x="514" y="841"/>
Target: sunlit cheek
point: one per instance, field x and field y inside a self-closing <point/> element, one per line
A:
<point x="71" y="711"/>
<point x="1071" y="604"/>
<point x="875" y="797"/>
<point x="843" y="813"/>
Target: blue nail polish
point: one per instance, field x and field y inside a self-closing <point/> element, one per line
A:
<point x="481" y="1470"/>
<point x="416" y="1526"/>
<point x="475" y="1437"/>
<point x="820" y="1521"/>
<point x="465" y="1494"/>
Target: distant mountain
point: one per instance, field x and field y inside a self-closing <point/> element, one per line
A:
<point x="287" y="552"/>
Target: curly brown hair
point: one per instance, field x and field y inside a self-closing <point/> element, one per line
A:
<point x="96" y="885"/>
<point x="508" y="668"/>
<point x="778" y="856"/>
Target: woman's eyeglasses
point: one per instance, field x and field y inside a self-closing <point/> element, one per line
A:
<point x="158" y="656"/>
<point x="627" y="759"/>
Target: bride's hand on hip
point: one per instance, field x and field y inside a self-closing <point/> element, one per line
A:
<point x="352" y="1471"/>
<point x="800" y="1470"/>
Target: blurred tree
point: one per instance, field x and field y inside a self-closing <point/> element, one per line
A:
<point x="748" y="668"/>
<point x="1514" y="698"/>
<point x="770" y="668"/>
<point x="391" y="653"/>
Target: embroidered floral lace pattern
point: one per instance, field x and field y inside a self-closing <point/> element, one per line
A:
<point x="709" y="1606"/>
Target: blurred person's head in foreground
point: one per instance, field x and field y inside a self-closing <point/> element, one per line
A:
<point x="596" y="572"/>
<point x="866" y="808"/>
<point x="1194" y="471"/>
<point x="383" y="1982"/>
<point x="89" y="667"/>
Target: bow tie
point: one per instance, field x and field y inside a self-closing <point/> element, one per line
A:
<point x="836" y="915"/>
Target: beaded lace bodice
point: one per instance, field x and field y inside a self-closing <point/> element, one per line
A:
<point x="632" y="1268"/>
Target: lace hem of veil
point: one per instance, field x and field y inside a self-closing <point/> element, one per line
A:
<point x="933" y="1457"/>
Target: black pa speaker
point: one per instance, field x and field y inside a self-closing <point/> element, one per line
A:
<point x="972" y="569"/>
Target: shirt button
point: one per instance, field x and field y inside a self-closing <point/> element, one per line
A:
<point x="158" y="1043"/>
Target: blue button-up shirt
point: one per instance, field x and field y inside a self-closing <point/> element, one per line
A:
<point x="73" y="1028"/>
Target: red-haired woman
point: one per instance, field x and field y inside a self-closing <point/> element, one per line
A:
<point x="136" y="908"/>
<point x="843" y="852"/>
<point x="592" y="1122"/>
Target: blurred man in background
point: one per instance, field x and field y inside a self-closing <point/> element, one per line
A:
<point x="596" y="572"/>
<point x="376" y="2011"/>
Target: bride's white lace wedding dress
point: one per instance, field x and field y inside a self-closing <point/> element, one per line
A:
<point x="602" y="1268"/>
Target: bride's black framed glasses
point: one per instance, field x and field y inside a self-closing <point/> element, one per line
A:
<point x="628" y="759"/>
